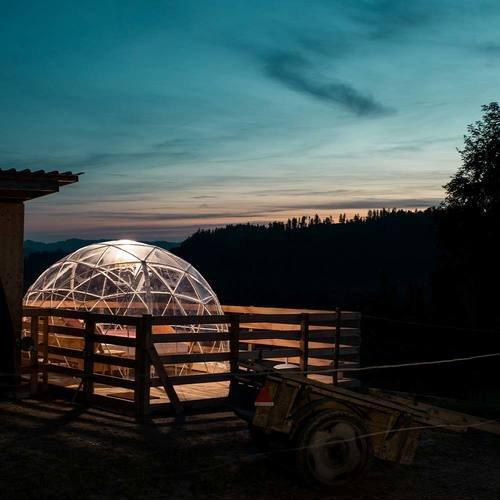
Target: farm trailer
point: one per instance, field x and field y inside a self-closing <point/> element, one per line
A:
<point x="332" y="428"/>
<point x="333" y="431"/>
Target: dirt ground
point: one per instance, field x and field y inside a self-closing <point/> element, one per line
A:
<point x="53" y="449"/>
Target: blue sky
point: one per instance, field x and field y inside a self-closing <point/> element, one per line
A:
<point x="187" y="114"/>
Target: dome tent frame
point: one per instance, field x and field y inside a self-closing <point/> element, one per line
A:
<point x="127" y="278"/>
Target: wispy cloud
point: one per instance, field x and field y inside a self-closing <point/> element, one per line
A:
<point x="366" y="203"/>
<point x="490" y="49"/>
<point x="392" y="19"/>
<point x="416" y="145"/>
<point x="297" y="73"/>
<point x="175" y="224"/>
<point x="170" y="151"/>
<point x="267" y="213"/>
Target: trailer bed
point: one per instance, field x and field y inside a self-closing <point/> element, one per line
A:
<point x="333" y="430"/>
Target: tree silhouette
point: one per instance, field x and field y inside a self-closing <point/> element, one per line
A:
<point x="469" y="228"/>
<point x="476" y="185"/>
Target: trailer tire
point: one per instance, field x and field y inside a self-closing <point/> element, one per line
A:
<point x="337" y="463"/>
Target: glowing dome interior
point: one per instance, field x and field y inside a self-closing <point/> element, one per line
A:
<point x="124" y="277"/>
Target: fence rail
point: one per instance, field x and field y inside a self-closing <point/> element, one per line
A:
<point x="73" y="350"/>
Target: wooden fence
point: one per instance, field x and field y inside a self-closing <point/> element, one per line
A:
<point x="129" y="368"/>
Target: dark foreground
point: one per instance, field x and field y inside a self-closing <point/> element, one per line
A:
<point x="54" y="449"/>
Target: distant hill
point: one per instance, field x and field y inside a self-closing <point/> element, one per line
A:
<point x="68" y="246"/>
<point x="384" y="262"/>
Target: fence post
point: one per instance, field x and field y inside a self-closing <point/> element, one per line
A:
<point x="234" y="342"/>
<point x="304" y="343"/>
<point x="88" y="359"/>
<point x="34" y="355"/>
<point x="142" y="366"/>
<point x="45" y="352"/>
<point x="336" y="355"/>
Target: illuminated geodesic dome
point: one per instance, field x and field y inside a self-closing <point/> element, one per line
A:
<point x="129" y="278"/>
<point x="124" y="277"/>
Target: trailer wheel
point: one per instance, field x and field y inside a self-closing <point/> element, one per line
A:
<point x="330" y="449"/>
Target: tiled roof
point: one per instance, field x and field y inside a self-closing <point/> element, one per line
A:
<point x="12" y="172"/>
<point x="23" y="185"/>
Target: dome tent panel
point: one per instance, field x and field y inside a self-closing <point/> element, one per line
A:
<point x="170" y="260"/>
<point x="166" y="277"/>
<point x="125" y="277"/>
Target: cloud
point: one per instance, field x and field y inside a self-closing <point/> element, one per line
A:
<point x="264" y="212"/>
<point x="173" y="151"/>
<point x="392" y="19"/>
<point x="299" y="192"/>
<point x="158" y="217"/>
<point x="360" y="204"/>
<point x="295" y="72"/>
<point x="176" y="225"/>
<point x="489" y="49"/>
<point x="417" y="145"/>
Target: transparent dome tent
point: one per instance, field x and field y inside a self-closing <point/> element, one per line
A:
<point x="126" y="277"/>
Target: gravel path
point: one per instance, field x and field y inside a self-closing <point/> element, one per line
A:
<point x="51" y="449"/>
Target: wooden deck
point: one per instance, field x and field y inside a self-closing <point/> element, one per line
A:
<point x="187" y="392"/>
<point x="144" y="361"/>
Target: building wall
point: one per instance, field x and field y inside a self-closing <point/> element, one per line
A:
<point x="11" y="276"/>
